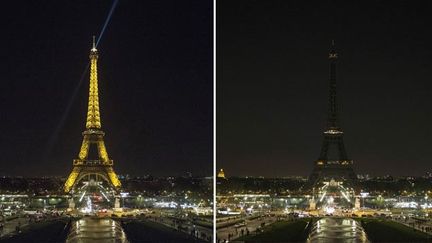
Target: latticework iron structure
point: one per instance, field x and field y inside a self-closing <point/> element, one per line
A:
<point x="100" y="167"/>
<point x="333" y="162"/>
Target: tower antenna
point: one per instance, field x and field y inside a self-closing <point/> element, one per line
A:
<point x="94" y="43"/>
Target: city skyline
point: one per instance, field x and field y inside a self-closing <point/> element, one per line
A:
<point x="272" y="90"/>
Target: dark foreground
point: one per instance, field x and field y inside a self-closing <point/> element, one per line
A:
<point x="283" y="231"/>
<point x="377" y="230"/>
<point x="51" y="231"/>
<point x="145" y="231"/>
<point x="382" y="230"/>
<point x="136" y="231"/>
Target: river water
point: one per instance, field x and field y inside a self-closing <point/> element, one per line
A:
<point x="335" y="230"/>
<point x="96" y="230"/>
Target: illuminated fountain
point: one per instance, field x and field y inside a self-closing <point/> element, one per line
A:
<point x="88" y="208"/>
<point x="333" y="196"/>
<point x="96" y="230"/>
<point x="330" y="230"/>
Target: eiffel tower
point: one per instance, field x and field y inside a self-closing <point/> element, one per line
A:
<point x="99" y="167"/>
<point x="333" y="162"/>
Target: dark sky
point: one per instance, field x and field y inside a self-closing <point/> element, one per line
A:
<point x="272" y="82"/>
<point x="155" y="77"/>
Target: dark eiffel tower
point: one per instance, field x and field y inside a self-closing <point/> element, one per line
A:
<point x="333" y="162"/>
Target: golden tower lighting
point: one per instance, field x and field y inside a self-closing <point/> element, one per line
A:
<point x="102" y="166"/>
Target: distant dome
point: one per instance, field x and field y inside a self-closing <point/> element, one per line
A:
<point x="221" y="174"/>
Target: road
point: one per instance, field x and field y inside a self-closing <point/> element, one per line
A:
<point x="10" y="226"/>
<point x="232" y="232"/>
<point x="424" y="226"/>
<point x="200" y="232"/>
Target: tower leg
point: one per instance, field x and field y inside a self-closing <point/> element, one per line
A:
<point x="113" y="177"/>
<point x="71" y="180"/>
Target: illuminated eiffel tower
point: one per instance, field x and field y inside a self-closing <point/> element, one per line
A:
<point x="333" y="163"/>
<point x="99" y="167"/>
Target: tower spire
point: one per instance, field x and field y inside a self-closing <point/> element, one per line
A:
<point x="93" y="114"/>
<point x="332" y="121"/>
<point x="94" y="43"/>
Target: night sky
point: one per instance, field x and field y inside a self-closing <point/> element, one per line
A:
<point x="272" y="85"/>
<point x="155" y="79"/>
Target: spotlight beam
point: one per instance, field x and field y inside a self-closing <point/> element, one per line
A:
<point x="113" y="6"/>
<point x="53" y="138"/>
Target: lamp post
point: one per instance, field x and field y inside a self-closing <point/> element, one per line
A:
<point x="363" y="195"/>
<point x="123" y="195"/>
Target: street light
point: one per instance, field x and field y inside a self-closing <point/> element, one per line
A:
<point x="123" y="195"/>
<point x="363" y="195"/>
